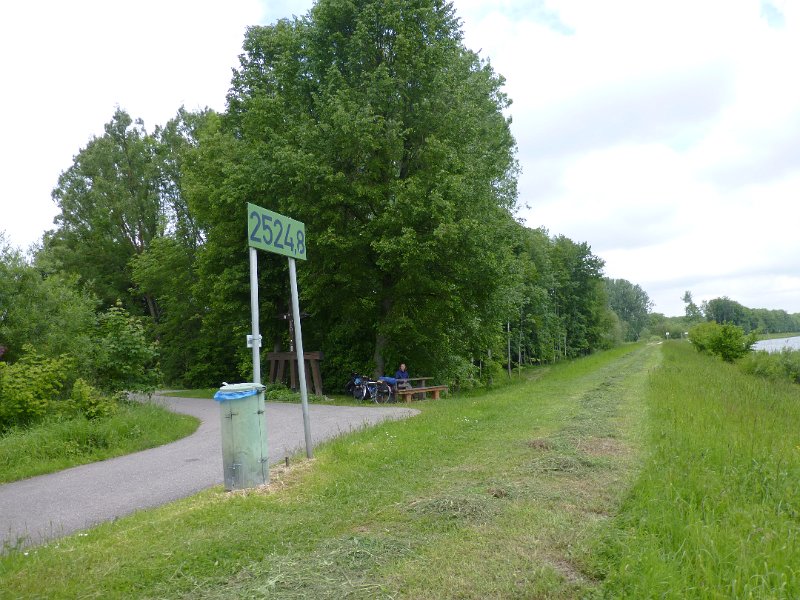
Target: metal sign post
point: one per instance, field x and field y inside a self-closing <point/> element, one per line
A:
<point x="254" y="340"/>
<point x="301" y="362"/>
<point x="273" y="232"/>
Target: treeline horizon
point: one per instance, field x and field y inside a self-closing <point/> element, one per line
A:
<point x="724" y="311"/>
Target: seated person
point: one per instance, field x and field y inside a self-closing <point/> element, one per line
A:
<point x="401" y="375"/>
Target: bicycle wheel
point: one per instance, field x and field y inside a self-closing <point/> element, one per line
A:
<point x="383" y="393"/>
<point x="360" y="392"/>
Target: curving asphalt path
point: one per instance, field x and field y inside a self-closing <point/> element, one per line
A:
<point x="49" y="506"/>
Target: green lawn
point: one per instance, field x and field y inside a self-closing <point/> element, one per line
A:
<point x="59" y="444"/>
<point x="639" y="472"/>
<point x="497" y="495"/>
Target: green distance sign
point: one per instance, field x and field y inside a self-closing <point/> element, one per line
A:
<point x="270" y="231"/>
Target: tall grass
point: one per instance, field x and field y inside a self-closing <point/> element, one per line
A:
<point x="779" y="365"/>
<point x="61" y="443"/>
<point x="716" y="510"/>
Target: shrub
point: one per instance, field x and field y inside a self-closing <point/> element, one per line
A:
<point x="763" y="364"/>
<point x="728" y="341"/>
<point x="32" y="388"/>
<point x="90" y="402"/>
<point x="779" y="365"/>
<point x="701" y="335"/>
<point x="123" y="358"/>
<point x="790" y="361"/>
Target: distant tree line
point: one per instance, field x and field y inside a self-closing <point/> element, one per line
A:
<point x="372" y="124"/>
<point x="724" y="311"/>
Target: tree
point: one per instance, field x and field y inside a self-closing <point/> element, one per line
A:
<point x="110" y="209"/>
<point x="166" y="271"/>
<point x="123" y="191"/>
<point x="370" y="122"/>
<point x="724" y="310"/>
<point x="693" y="313"/>
<point x="579" y="296"/>
<point x="631" y="304"/>
<point x="47" y="312"/>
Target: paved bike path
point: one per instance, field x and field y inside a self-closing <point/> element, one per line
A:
<point x="49" y="506"/>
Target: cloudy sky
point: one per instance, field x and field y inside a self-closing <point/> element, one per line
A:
<point x="666" y="134"/>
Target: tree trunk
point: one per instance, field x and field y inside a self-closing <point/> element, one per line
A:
<point x="151" y="307"/>
<point x="380" y="363"/>
<point x="380" y="338"/>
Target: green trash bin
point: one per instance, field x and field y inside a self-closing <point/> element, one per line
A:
<point x="243" y="426"/>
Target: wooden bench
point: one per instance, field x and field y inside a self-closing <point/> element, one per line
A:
<point x="407" y="393"/>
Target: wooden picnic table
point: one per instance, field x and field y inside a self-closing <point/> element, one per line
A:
<point x="407" y="393"/>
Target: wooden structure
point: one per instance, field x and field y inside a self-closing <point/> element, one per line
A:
<point x="278" y="362"/>
<point x="407" y="393"/>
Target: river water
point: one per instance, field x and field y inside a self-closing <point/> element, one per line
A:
<point x="778" y="344"/>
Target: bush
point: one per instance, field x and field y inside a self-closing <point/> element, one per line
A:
<point x="123" y="358"/>
<point x="90" y="402"/>
<point x="277" y="392"/>
<point x="727" y="341"/>
<point x="32" y="388"/>
<point x="779" y="365"/>
<point x="790" y="361"/>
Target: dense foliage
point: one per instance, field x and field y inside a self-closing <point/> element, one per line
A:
<point x="371" y="123"/>
<point x="61" y="355"/>
<point x="727" y="341"/>
<point x="631" y="304"/>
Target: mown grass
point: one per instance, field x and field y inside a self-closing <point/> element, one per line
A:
<point x="61" y="443"/>
<point x="499" y="495"/>
<point x="715" y="512"/>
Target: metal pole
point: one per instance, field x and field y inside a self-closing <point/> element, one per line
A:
<point x="301" y="363"/>
<point x="519" y="347"/>
<point x="508" y="331"/>
<point x="254" y="316"/>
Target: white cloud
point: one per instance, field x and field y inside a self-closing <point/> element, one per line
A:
<point x="68" y="64"/>
<point x="666" y="134"/>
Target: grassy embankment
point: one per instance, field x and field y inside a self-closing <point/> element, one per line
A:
<point x="716" y="511"/>
<point x="564" y="486"/>
<point x="496" y="495"/>
<point x="59" y="444"/>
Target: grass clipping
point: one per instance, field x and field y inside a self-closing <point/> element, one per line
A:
<point x="281" y="477"/>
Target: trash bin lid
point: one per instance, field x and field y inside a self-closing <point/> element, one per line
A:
<point x="234" y="391"/>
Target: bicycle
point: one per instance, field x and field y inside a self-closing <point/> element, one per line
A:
<point x="365" y="388"/>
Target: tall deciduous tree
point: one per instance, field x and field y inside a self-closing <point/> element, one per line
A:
<point x="110" y="209"/>
<point x="724" y="310"/>
<point x="123" y="190"/>
<point x="693" y="312"/>
<point x="631" y="304"/>
<point x="371" y="122"/>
